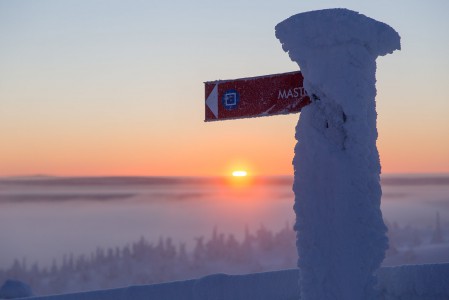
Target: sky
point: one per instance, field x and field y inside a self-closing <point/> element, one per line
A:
<point x="107" y="87"/>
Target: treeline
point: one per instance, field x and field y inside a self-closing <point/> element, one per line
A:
<point x="144" y="262"/>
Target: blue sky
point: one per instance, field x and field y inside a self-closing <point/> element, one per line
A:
<point x="116" y="87"/>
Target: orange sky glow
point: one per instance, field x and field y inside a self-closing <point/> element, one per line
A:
<point x="88" y="91"/>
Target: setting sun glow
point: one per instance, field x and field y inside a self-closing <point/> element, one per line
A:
<point x="239" y="173"/>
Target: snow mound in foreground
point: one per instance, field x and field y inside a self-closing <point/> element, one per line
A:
<point x="13" y="289"/>
<point x="418" y="282"/>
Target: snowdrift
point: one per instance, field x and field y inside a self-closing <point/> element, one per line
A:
<point x="413" y="282"/>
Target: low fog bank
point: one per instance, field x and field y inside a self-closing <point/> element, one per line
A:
<point x="150" y="262"/>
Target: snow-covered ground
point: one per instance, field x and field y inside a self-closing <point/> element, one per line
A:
<point x="418" y="282"/>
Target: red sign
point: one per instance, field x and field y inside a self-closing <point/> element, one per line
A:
<point x="268" y="95"/>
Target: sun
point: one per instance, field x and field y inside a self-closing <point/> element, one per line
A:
<point x="239" y="173"/>
<point x="240" y="179"/>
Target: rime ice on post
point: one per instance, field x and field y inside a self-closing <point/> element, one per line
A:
<point x="341" y="237"/>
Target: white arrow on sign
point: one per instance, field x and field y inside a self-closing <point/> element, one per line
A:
<point x="212" y="101"/>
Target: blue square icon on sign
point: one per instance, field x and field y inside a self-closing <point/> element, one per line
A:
<point x="230" y="99"/>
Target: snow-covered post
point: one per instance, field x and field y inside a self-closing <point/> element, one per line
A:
<point x="341" y="237"/>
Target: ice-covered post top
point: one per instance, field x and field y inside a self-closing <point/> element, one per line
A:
<point x="340" y="232"/>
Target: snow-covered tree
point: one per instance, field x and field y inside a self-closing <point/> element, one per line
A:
<point x="341" y="236"/>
